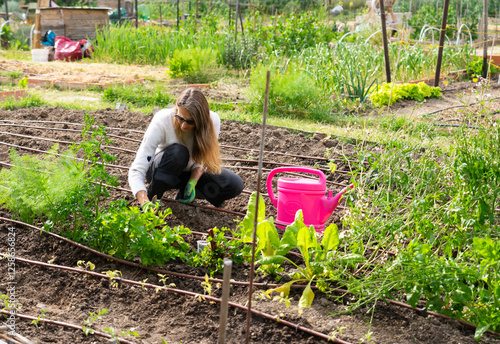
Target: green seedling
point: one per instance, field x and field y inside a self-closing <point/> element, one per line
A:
<point x="41" y="316"/>
<point x="114" y="278"/>
<point x="93" y="317"/>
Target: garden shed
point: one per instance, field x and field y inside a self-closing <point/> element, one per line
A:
<point x="74" y="23"/>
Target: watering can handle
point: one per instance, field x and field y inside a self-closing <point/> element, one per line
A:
<point x="269" y="182"/>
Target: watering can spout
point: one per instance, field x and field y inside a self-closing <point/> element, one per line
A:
<point x="330" y="203"/>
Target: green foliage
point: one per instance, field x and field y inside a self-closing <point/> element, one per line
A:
<point x="180" y="65"/>
<point x="220" y="247"/>
<point x="239" y="54"/>
<point x="40" y="186"/>
<point x="389" y="93"/>
<point x="139" y="95"/>
<point x="25" y="102"/>
<point x="291" y="90"/>
<point x="128" y="233"/>
<point x="475" y="67"/>
<point x="195" y="65"/>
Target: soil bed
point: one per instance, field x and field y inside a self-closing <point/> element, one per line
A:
<point x="69" y="297"/>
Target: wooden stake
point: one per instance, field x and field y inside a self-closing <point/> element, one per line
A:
<point x="259" y="177"/>
<point x="37" y="32"/>
<point x="485" y="39"/>
<point x="385" y="44"/>
<point x="441" y="43"/>
<point x="236" y="20"/>
<point x="226" y="283"/>
<point x="275" y="19"/>
<point x="195" y="15"/>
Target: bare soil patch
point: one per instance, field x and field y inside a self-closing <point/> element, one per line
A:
<point x="70" y="297"/>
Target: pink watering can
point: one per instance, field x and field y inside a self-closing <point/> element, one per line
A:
<point x="303" y="193"/>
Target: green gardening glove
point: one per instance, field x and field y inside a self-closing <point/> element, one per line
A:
<point x="189" y="192"/>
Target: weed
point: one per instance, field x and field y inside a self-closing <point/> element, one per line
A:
<point x="30" y="101"/>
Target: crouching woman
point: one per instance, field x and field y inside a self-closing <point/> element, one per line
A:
<point x="180" y="150"/>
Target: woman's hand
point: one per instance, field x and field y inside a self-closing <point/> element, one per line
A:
<point x="189" y="191"/>
<point x="142" y="197"/>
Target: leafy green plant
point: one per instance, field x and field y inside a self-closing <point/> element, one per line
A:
<point x="219" y="246"/>
<point x="316" y="256"/>
<point x="475" y="67"/>
<point x="40" y="186"/>
<point x="268" y="241"/>
<point x="180" y="65"/>
<point x="389" y="93"/>
<point x="128" y="233"/>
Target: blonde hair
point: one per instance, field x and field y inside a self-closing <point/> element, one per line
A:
<point x="206" y="149"/>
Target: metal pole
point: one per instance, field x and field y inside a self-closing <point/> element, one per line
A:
<point x="485" y="44"/>
<point x="229" y="16"/>
<point x="441" y="43"/>
<point x="384" y="41"/>
<point x="228" y="264"/>
<point x="259" y="177"/>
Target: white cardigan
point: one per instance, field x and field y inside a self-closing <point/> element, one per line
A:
<point x="160" y="135"/>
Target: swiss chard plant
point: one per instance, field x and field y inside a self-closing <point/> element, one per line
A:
<point x="316" y="253"/>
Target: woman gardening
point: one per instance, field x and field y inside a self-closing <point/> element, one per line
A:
<point x="180" y="150"/>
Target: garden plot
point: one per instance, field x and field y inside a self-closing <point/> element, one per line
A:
<point x="157" y="315"/>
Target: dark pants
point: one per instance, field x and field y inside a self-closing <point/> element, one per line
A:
<point x="167" y="173"/>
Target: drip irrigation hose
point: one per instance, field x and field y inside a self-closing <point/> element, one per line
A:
<point x="64" y="142"/>
<point x="172" y="290"/>
<point x="64" y="324"/>
<point x="127" y="168"/>
<point x="140" y="266"/>
<point x="456" y="106"/>
<point x="70" y="130"/>
<point x="134" y="152"/>
<point x="456" y="126"/>
<point x="57" y="154"/>
<point x="420" y="311"/>
<point x="71" y="123"/>
<point x="222" y="146"/>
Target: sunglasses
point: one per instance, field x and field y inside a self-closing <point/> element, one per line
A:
<point x="183" y="120"/>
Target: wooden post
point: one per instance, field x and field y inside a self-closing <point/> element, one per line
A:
<point x="229" y="16"/>
<point x="195" y="15"/>
<point x="441" y="42"/>
<point x="275" y="19"/>
<point x="119" y="13"/>
<point x="136" y="14"/>
<point x="7" y="11"/>
<point x="241" y="22"/>
<point x="209" y="5"/>
<point x="37" y="32"/>
<point x="385" y="44"/>
<point x="161" y="21"/>
<point x="254" y="20"/>
<point x="236" y="20"/>
<point x="177" y="14"/>
<point x="485" y="44"/>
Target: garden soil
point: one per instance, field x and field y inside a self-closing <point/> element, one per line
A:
<point x="167" y="317"/>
